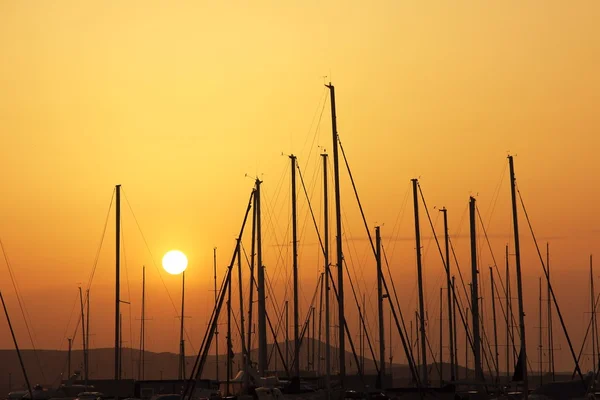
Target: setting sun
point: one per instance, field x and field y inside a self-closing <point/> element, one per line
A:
<point x="174" y="262"/>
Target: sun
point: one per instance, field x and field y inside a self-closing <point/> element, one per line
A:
<point x="174" y="262"/>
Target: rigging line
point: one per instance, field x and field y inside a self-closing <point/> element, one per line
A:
<point x="97" y="257"/>
<point x="323" y="99"/>
<point x="22" y="307"/>
<point x="362" y="213"/>
<point x="498" y="273"/>
<point x="128" y="295"/>
<point x="68" y="323"/>
<point x="95" y="264"/>
<point x="405" y="333"/>
<point x="154" y="263"/>
<point x="361" y="315"/>
<point x="497" y="193"/>
<point x="560" y="317"/>
<point x="399" y="220"/>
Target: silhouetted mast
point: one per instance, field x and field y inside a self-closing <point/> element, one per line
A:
<point x="338" y="240"/>
<point x="87" y="337"/>
<point x="541" y="344"/>
<point x="380" y="310"/>
<point x="181" y="330"/>
<point x="245" y="355"/>
<point x="326" y="261"/>
<point x="508" y="316"/>
<point x="216" y="297"/>
<point x="262" y="309"/>
<point x="475" y="294"/>
<point x="523" y="352"/>
<point x="69" y="358"/>
<point x="441" y="361"/>
<point x="295" y="271"/>
<point x="497" y="354"/>
<point x="117" y="280"/>
<point x="550" y="333"/>
<point x="421" y="312"/>
<point x="449" y="285"/>
<point x="594" y="321"/>
<point x="142" y="332"/>
<point x="85" y="372"/>
<point x="12" y="332"/>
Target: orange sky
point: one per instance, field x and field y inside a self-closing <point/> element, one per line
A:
<point x="179" y="101"/>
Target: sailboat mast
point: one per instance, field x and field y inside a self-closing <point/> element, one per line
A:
<point x="85" y="372"/>
<point x="523" y="352"/>
<point x="117" y="279"/>
<point x="181" y="329"/>
<point x="69" y="358"/>
<point x="454" y="303"/>
<point x="594" y="321"/>
<point x="295" y="271"/>
<point x="420" y="281"/>
<point x="87" y="336"/>
<point x="475" y="293"/>
<point x="12" y="332"/>
<point x="262" y="305"/>
<point x="229" y="343"/>
<point x="380" y="309"/>
<point x="216" y="297"/>
<point x="251" y="289"/>
<point x="441" y="361"/>
<point x="326" y="261"/>
<point x="142" y="332"/>
<point x="550" y="333"/>
<point x="541" y="345"/>
<point x="449" y="285"/>
<point x="508" y="315"/>
<point x="493" y="294"/>
<point x="338" y="240"/>
<point x="241" y="294"/>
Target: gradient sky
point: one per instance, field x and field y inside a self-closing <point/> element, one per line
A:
<point x="179" y="101"/>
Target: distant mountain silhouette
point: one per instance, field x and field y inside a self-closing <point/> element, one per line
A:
<point x="53" y="363"/>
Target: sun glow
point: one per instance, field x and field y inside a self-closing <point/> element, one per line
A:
<point x="174" y="262"/>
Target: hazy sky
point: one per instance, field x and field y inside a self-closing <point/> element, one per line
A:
<point x="179" y="101"/>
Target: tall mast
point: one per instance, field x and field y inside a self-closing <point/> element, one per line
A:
<point x="142" y="332"/>
<point x="262" y="306"/>
<point x="475" y="294"/>
<point x="420" y="279"/>
<point x="493" y="294"/>
<point x="287" y="333"/>
<point x="380" y="310"/>
<point x="216" y="297"/>
<point x="326" y="261"/>
<point x="181" y="329"/>
<point x="338" y="240"/>
<point x="541" y="345"/>
<point x="449" y="285"/>
<point x="251" y="289"/>
<point x="454" y="303"/>
<point x="87" y="336"/>
<point x="295" y="271"/>
<point x="508" y="316"/>
<point x="441" y="362"/>
<point x="245" y="355"/>
<point x="118" y="279"/>
<point x="12" y="332"/>
<point x="319" y="364"/>
<point x="85" y="372"/>
<point x="467" y="342"/>
<point x="550" y="333"/>
<point x="523" y="352"/>
<point x="594" y="321"/>
<point x="69" y="359"/>
<point x="229" y="343"/>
